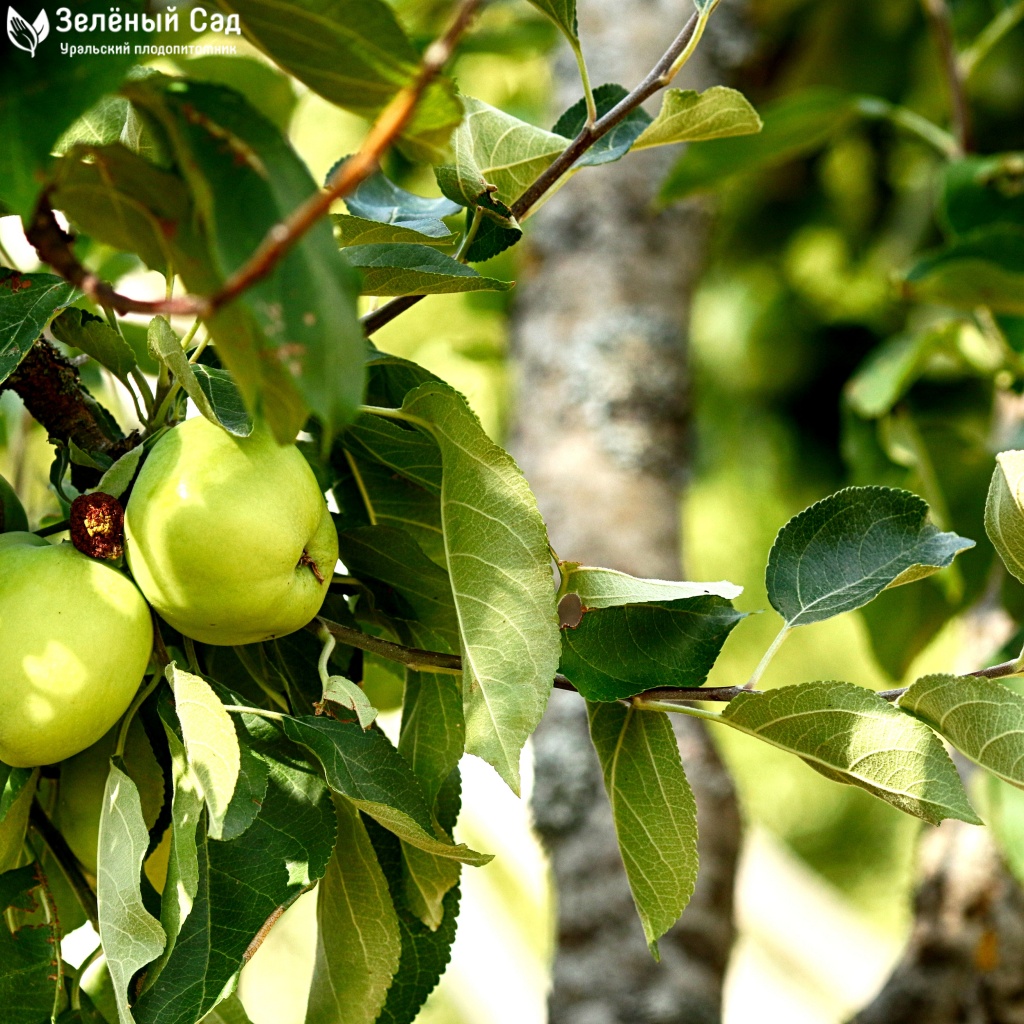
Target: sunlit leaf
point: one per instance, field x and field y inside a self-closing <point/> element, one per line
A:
<point x="982" y="718"/>
<point x="689" y="116"/>
<point x="607" y="588"/>
<point x="852" y="735"/>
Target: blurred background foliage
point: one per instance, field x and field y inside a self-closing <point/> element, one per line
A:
<point x="800" y="297"/>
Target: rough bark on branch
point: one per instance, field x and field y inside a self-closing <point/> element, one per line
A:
<point x="964" y="963"/>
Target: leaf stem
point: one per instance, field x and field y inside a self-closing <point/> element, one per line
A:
<point x="989" y="38"/>
<point x="768" y="655"/>
<point x="588" y="91"/>
<point x="877" y="109"/>
<point x="675" y="709"/>
<point x="275" y="716"/>
<point x="937" y="13"/>
<point x="256" y="672"/>
<point x="325" y="654"/>
<point x="140" y="699"/>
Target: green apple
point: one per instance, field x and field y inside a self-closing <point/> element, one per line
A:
<point x="229" y="538"/>
<point x="76" y="641"/>
<point x="12" y="513"/>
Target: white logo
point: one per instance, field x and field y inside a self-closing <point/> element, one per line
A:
<point x="25" y="36"/>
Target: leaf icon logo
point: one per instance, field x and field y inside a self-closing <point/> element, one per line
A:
<point x="25" y="36"/>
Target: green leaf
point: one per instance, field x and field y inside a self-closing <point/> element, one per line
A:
<point x="358" y="940"/>
<point x="615" y="144"/>
<point x="618" y="652"/>
<point x="31" y="981"/>
<point x="608" y="588"/>
<point x="115" y="481"/>
<point x="354" y="54"/>
<point x="364" y="767"/>
<point x="493" y="148"/>
<point x="846" y="549"/>
<point x="210" y="740"/>
<point x="292" y="343"/>
<point x="411" y="587"/>
<point x="793" y="126"/>
<point x="982" y="718"/>
<point x="407" y="452"/>
<point x="269" y="91"/>
<point x="498" y="560"/>
<point x="433" y="735"/>
<point x="425" y="953"/>
<point x="491" y="239"/>
<point x="653" y="810"/>
<point x="359" y="231"/>
<point x="346" y="694"/>
<point x="982" y="191"/>
<point x="224" y="399"/>
<point x="14" y="781"/>
<point x="115" y="196"/>
<point x="92" y="335"/>
<point x="15" y="822"/>
<point x="28" y="302"/>
<point x="241" y="884"/>
<point x="40" y="96"/>
<point x="131" y="936"/>
<point x="892" y="367"/>
<point x="415" y="270"/>
<point x="101" y="124"/>
<point x="852" y="735"/>
<point x="428" y="879"/>
<point x="689" y="116"/>
<point x="378" y="198"/>
<point x="563" y="14"/>
<point x="1004" y="511"/>
<point x="985" y="268"/>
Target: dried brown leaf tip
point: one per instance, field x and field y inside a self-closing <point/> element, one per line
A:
<point x="97" y="526"/>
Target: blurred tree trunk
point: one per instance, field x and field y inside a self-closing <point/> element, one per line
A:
<point x="601" y="432"/>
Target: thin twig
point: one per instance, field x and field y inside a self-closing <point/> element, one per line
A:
<point x="937" y="13"/>
<point x="990" y="37"/>
<point x="658" y="78"/>
<point x="411" y="657"/>
<point x="54" y="245"/>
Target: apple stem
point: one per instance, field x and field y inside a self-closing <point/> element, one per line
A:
<point x="315" y="569"/>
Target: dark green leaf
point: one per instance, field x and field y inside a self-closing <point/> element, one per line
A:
<point x="293" y="343"/>
<point x="14" y="781"/>
<point x="240" y="884"/>
<point x="793" y="126"/>
<point x="846" y="549"/>
<point x="30" y="972"/>
<point x="653" y="810"/>
<point x="425" y="953"/>
<point x="380" y="199"/>
<point x="985" y="268"/>
<point x="364" y="767"/>
<point x="358" y="938"/>
<point x="852" y="735"/>
<point x="28" y="302"/>
<point x="415" y="270"/>
<point x="491" y="239"/>
<point x="983" y="191"/>
<point x="616" y="143"/>
<point x="354" y="54"/>
<point x="41" y="94"/>
<point x="618" y="652"/>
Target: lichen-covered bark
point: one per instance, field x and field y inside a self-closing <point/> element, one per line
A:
<point x="601" y="431"/>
